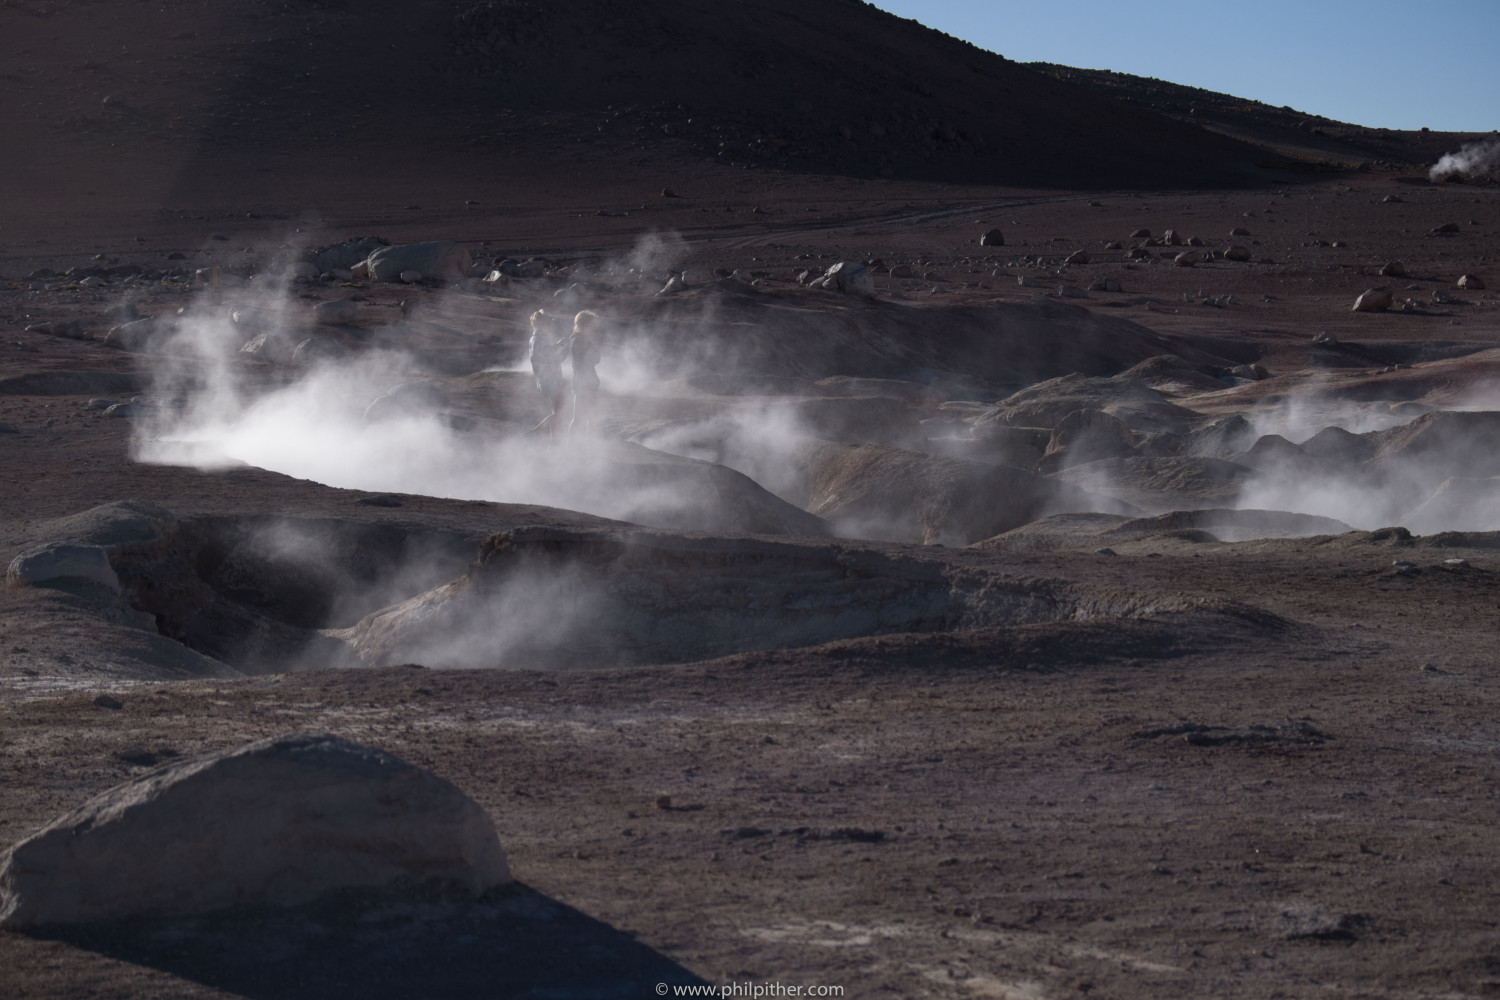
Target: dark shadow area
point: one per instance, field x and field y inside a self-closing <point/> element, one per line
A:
<point x="514" y="942"/>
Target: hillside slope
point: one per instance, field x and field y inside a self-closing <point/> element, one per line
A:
<point x="834" y="86"/>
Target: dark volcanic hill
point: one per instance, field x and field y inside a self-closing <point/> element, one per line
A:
<point x="1321" y="142"/>
<point x="831" y="86"/>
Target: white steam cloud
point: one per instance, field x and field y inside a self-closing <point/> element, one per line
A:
<point x="1475" y="159"/>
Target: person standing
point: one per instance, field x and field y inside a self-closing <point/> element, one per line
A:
<point x="584" y="347"/>
<point x="548" y="348"/>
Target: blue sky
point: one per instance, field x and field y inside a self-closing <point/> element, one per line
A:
<point x="1380" y="63"/>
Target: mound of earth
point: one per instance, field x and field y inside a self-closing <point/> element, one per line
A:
<point x="867" y="491"/>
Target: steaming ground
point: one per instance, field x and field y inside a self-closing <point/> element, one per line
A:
<point x="983" y="674"/>
<point x="740" y="447"/>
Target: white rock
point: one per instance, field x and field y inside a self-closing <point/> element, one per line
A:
<point x="277" y="822"/>
<point x="851" y="278"/>
<point x="62" y="560"/>
<point x="1374" y="300"/>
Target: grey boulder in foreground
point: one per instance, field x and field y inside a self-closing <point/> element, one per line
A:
<point x="280" y="821"/>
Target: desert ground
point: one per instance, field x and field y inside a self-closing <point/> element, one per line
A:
<point x="1034" y="618"/>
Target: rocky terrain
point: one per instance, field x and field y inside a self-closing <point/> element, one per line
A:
<point x="1007" y="563"/>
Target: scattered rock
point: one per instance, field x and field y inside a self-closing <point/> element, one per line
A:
<point x="1393" y="269"/>
<point x="278" y="822"/>
<point x="1237" y="253"/>
<point x="1171" y="238"/>
<point x="1374" y="300"/>
<point x="1185" y="259"/>
<point x="992" y="238"/>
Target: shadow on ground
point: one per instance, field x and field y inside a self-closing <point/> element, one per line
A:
<point x="515" y="942"/>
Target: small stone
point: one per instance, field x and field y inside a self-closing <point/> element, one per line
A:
<point x="1393" y="269"/>
<point x="105" y="701"/>
<point x="1105" y="552"/>
<point x="1456" y="563"/>
<point x="1141" y="234"/>
<point x="1237" y="253"/>
<point x="1445" y="229"/>
<point x="1077" y="257"/>
<point x="1185" y="259"/>
<point x="1171" y="238"/>
<point x="992" y="238"/>
<point x="1239" y="231"/>
<point x="1471" y="282"/>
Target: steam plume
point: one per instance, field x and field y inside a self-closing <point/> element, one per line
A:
<point x="1475" y="159"/>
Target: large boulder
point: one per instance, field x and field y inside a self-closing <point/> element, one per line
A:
<point x="344" y="256"/>
<point x="1374" y="300"/>
<point x="279" y="822"/>
<point x="439" y="261"/>
<point x="851" y="278"/>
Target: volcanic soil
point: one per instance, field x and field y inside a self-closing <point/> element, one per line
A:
<point x="916" y="692"/>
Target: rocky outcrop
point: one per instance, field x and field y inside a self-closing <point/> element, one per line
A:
<point x="279" y="822"/>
